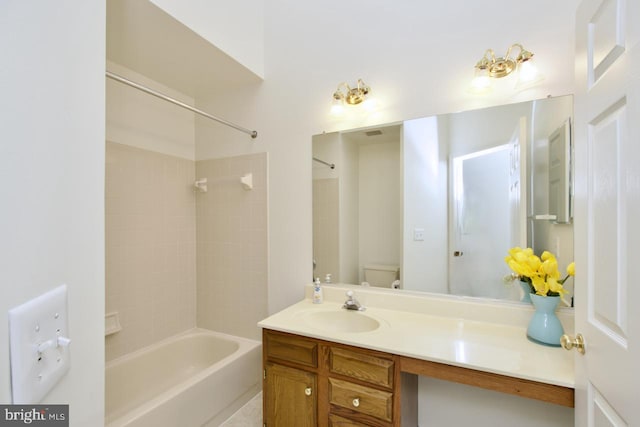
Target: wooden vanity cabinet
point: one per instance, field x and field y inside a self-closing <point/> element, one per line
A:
<point x="290" y="380"/>
<point x="361" y="385"/>
<point x="290" y="397"/>
<point x="328" y="384"/>
<point x="309" y="382"/>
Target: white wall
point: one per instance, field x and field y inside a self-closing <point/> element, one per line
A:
<point x="425" y="204"/>
<point x="379" y="209"/>
<point x="473" y="131"/>
<point x="349" y="211"/>
<point x="239" y="32"/>
<point x="310" y="50"/>
<point x="52" y="187"/>
<point x="326" y="208"/>
<point x="444" y="403"/>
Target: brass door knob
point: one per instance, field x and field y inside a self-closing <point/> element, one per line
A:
<point x="356" y="402"/>
<point x="569" y="342"/>
<point x="307" y="391"/>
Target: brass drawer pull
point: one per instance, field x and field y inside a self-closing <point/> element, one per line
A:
<point x="307" y="391"/>
<point x="356" y="402"/>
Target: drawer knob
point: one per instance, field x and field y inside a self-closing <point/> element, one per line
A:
<point x="307" y="391"/>
<point x="356" y="402"/>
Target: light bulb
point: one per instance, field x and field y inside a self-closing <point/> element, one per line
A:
<point x="528" y="75"/>
<point x="337" y="107"/>
<point x="481" y="82"/>
<point x="370" y="104"/>
<point x="337" y="110"/>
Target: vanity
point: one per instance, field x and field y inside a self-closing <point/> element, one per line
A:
<point x="327" y="366"/>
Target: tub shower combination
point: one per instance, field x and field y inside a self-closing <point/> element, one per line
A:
<point x="196" y="378"/>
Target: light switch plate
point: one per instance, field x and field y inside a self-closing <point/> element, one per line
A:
<point x="39" y="345"/>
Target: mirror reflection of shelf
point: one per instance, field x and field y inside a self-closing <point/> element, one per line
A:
<point x="543" y="217"/>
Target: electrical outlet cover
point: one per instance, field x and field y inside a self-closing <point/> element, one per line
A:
<point x="39" y="345"/>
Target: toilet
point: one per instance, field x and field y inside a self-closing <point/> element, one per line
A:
<point x="381" y="275"/>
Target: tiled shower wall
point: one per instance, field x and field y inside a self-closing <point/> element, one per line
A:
<point x="232" y="245"/>
<point x="161" y="235"/>
<point x="150" y="246"/>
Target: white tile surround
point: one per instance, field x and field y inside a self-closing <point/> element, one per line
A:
<point x="150" y="243"/>
<point x="176" y="258"/>
<point x="231" y="254"/>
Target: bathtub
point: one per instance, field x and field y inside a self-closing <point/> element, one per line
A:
<point x="196" y="378"/>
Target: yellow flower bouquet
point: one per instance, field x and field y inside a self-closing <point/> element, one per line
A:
<point x="540" y="273"/>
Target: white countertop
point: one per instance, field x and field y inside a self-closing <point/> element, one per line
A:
<point x="488" y="346"/>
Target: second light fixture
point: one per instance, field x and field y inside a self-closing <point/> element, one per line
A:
<point x="490" y="66"/>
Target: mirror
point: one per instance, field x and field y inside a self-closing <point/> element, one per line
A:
<point x="433" y="204"/>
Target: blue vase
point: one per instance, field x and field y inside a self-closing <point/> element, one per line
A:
<point x="526" y="292"/>
<point x="545" y="327"/>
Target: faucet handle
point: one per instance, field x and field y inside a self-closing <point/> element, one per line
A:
<point x="351" y="303"/>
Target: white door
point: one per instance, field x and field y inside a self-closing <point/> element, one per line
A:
<point x="480" y="210"/>
<point x="607" y="215"/>
<point x="518" y="184"/>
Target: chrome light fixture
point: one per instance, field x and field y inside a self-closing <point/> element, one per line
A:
<point x="345" y="94"/>
<point x="490" y="66"/>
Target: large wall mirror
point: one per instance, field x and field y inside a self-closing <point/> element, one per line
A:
<point x="433" y="204"/>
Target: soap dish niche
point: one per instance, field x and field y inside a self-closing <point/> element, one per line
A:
<point x="111" y="323"/>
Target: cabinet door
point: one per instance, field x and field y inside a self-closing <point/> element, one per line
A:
<point x="290" y="397"/>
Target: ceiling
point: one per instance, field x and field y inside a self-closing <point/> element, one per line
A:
<point x="374" y="135"/>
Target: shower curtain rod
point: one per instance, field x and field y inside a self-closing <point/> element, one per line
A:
<point x="121" y="79"/>
<point x="331" y="165"/>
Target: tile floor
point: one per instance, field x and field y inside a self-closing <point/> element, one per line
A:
<point x="250" y="415"/>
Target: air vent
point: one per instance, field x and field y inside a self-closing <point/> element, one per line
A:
<point x="373" y="132"/>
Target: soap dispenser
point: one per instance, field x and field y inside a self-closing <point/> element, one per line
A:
<point x="317" y="292"/>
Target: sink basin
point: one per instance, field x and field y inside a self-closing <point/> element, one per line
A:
<point x="340" y="321"/>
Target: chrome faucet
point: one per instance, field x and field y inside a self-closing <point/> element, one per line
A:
<point x="351" y="303"/>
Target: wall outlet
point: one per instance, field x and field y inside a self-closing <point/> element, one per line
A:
<point x="418" y="234"/>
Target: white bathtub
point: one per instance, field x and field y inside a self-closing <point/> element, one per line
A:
<point x="196" y="378"/>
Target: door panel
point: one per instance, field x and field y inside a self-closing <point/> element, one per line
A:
<point x="607" y="192"/>
<point x="607" y="224"/>
<point x="481" y="209"/>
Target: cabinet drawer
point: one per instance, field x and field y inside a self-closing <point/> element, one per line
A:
<point x="336" y="421"/>
<point x="361" y="366"/>
<point x="291" y="348"/>
<point x="361" y="399"/>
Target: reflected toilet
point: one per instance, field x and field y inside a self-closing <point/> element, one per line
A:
<point x="381" y="275"/>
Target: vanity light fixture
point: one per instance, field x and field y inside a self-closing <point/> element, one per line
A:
<point x="490" y="66"/>
<point x="345" y="94"/>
